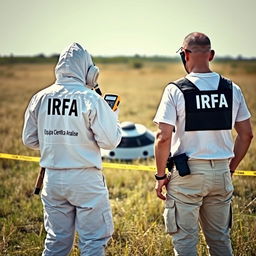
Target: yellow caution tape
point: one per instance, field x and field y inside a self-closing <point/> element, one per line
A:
<point x="129" y="167"/>
<point x="245" y="173"/>
<point x="106" y="165"/>
<point x="113" y="165"/>
<point x="19" y="157"/>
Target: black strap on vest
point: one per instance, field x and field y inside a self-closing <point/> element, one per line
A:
<point x="207" y="110"/>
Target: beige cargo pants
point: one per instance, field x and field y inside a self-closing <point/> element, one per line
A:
<point x="203" y="197"/>
<point x="76" y="200"/>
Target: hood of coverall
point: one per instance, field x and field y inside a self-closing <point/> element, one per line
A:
<point x="73" y="65"/>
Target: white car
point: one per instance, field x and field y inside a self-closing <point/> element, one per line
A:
<point x="137" y="142"/>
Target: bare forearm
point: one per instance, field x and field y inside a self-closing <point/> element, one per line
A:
<point x="162" y="151"/>
<point x="241" y="146"/>
<point x="162" y="146"/>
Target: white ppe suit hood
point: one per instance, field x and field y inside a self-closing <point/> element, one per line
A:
<point x="73" y="65"/>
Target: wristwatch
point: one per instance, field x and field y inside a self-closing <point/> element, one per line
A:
<point x="160" y="177"/>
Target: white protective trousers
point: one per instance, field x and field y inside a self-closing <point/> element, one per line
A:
<point x="76" y="200"/>
<point x="203" y="197"/>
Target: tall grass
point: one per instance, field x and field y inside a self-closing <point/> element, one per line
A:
<point x="137" y="212"/>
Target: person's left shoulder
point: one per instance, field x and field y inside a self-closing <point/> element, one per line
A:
<point x="237" y="92"/>
<point x="235" y="87"/>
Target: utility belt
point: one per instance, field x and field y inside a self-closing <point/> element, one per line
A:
<point x="181" y="163"/>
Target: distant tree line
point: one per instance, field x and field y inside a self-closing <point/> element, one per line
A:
<point x="136" y="60"/>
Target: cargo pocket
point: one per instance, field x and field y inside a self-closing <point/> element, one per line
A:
<point x="170" y="217"/>
<point x="228" y="182"/>
<point x="189" y="185"/>
<point x="108" y="221"/>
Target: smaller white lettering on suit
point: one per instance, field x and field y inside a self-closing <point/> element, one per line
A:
<point x="211" y="101"/>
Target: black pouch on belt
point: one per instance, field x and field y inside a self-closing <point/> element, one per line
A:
<point x="170" y="163"/>
<point x="181" y="163"/>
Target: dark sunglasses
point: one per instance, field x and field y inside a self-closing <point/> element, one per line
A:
<point x="181" y="49"/>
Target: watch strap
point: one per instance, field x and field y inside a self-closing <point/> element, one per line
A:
<point x="160" y="177"/>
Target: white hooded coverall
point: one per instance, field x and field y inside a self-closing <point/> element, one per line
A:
<point x="69" y="123"/>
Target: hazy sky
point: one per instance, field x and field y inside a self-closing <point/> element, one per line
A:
<point x="119" y="27"/>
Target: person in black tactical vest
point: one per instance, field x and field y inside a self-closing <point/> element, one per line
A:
<point x="195" y="119"/>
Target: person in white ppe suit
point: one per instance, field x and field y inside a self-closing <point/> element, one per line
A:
<point x="69" y="123"/>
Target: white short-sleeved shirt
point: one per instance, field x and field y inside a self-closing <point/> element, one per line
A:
<point x="199" y="144"/>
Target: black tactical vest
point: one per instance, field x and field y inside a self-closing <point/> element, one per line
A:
<point x="207" y="110"/>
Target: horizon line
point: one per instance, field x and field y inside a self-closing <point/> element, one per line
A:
<point x="136" y="55"/>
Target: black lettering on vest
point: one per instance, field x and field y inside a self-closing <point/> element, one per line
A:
<point x="62" y="107"/>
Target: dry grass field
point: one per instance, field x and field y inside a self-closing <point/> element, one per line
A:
<point x="137" y="212"/>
